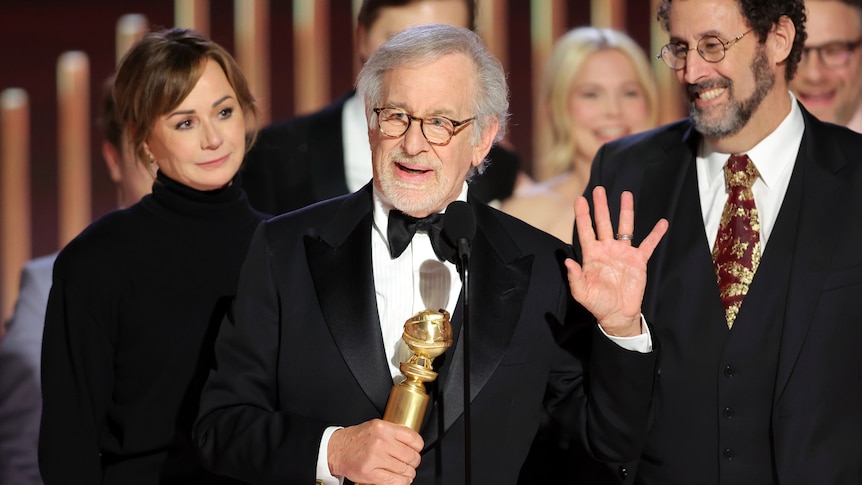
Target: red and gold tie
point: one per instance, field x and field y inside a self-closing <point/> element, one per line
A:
<point x="736" y="253"/>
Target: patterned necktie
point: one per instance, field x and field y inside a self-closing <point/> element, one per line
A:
<point x="402" y="227"/>
<point x="736" y="253"/>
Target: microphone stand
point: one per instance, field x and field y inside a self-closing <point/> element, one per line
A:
<point x="460" y="227"/>
<point x="464" y="271"/>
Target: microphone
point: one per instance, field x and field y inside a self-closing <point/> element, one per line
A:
<point x="459" y="227"/>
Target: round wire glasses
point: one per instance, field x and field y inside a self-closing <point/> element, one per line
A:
<point x="710" y="48"/>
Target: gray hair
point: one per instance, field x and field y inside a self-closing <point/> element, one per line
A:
<point x="427" y="43"/>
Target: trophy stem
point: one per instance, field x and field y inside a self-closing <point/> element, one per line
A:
<point x="407" y="404"/>
<point x="427" y="334"/>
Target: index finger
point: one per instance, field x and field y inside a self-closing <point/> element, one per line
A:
<point x="649" y="243"/>
<point x="410" y="438"/>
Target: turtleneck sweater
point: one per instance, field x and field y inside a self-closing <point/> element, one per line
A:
<point x="136" y="302"/>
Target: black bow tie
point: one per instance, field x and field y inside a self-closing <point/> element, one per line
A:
<point x="402" y="227"/>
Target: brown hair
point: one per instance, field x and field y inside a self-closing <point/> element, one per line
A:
<point x="160" y="71"/>
<point x="112" y="129"/>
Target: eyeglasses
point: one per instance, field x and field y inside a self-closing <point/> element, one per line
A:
<point x="710" y="48"/>
<point x="833" y="54"/>
<point x="438" y="130"/>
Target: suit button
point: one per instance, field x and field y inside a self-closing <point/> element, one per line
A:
<point x="623" y="472"/>
<point x="729" y="371"/>
<point x="728" y="454"/>
<point x="728" y="412"/>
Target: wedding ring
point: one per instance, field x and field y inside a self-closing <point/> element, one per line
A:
<point x="625" y="237"/>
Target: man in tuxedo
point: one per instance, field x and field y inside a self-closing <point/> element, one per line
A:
<point x="753" y="294"/>
<point x="307" y="357"/>
<point x="829" y="80"/>
<point x="325" y="154"/>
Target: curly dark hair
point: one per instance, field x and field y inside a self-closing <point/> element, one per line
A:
<point x="761" y="15"/>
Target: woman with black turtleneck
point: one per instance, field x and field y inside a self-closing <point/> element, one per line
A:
<point x="138" y="296"/>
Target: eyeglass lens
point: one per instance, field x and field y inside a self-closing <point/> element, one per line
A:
<point x="710" y="48"/>
<point x="833" y="54"/>
<point x="394" y="123"/>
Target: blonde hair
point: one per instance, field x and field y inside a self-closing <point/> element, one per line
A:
<point x="569" y="54"/>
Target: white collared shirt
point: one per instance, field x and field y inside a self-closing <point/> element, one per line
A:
<point x="414" y="281"/>
<point x="406" y="285"/>
<point x="774" y="158"/>
<point x="357" y="149"/>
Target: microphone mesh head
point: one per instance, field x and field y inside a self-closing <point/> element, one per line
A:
<point x="459" y="222"/>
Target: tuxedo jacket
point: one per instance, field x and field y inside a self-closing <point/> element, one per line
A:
<point x="302" y="350"/>
<point x="300" y="161"/>
<point x="20" y="384"/>
<point x="802" y="308"/>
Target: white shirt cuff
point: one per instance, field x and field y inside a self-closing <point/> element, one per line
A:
<point x="324" y="476"/>
<point x="639" y="343"/>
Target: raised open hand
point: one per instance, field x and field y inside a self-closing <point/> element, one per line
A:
<point x="611" y="280"/>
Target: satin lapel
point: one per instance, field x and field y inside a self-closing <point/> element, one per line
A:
<point x="328" y="173"/>
<point x="340" y="263"/>
<point x="824" y="195"/>
<point x="500" y="279"/>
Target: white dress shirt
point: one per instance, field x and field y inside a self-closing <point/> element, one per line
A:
<point x="774" y="158"/>
<point x="408" y="284"/>
<point x="357" y="148"/>
<point x="414" y="281"/>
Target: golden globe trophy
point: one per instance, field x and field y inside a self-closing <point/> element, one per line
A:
<point x="428" y="334"/>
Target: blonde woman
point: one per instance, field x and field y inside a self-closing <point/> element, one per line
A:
<point x="597" y="87"/>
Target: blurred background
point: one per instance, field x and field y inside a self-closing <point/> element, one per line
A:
<point x="298" y="55"/>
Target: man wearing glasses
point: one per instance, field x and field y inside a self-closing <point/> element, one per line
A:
<point x="324" y="154"/>
<point x="829" y="80"/>
<point x="307" y="359"/>
<point x="753" y="295"/>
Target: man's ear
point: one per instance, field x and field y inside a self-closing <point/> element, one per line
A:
<point x="780" y="39"/>
<point x="480" y="151"/>
<point x="112" y="161"/>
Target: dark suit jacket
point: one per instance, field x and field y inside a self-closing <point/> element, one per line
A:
<point x="300" y="161"/>
<point x="302" y="350"/>
<point x="808" y="287"/>
<point x="20" y="385"/>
